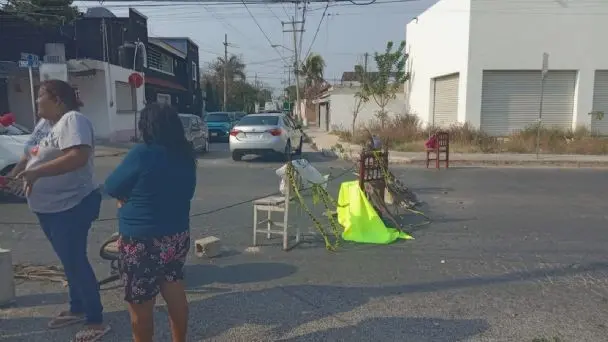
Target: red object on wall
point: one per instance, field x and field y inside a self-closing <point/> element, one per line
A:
<point x="136" y="80"/>
<point x="7" y="119"/>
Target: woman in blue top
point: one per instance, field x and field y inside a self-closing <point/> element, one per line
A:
<point x="154" y="185"/>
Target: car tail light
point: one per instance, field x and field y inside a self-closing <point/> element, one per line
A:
<point x="275" y="132"/>
<point x="234" y="132"/>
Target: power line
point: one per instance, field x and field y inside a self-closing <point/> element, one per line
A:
<point x="317" y="31"/>
<point x="208" y="212"/>
<point x="262" y="30"/>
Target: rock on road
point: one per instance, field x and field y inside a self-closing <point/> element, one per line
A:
<point x="512" y="255"/>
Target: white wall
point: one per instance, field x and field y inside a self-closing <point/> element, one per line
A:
<point x="93" y="96"/>
<point x="514" y="35"/>
<point x="469" y="36"/>
<point x="341" y="106"/>
<point x="123" y="123"/>
<point x="437" y="45"/>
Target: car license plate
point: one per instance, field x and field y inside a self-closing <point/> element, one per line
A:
<point x="214" y="134"/>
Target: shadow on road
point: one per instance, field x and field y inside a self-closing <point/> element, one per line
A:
<point x="419" y="329"/>
<point x="198" y="275"/>
<point x="284" y="308"/>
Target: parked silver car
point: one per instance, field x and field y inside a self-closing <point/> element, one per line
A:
<point x="269" y="133"/>
<point x="196" y="132"/>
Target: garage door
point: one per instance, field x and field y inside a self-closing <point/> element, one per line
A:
<point x="510" y="100"/>
<point x="600" y="102"/>
<point x="445" y="100"/>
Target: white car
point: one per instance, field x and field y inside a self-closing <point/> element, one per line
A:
<point x="12" y="146"/>
<point x="269" y="133"/>
<point x="13" y="140"/>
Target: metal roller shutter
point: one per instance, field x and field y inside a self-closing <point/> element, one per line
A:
<point x="445" y="100"/>
<point x="510" y="100"/>
<point x="600" y="101"/>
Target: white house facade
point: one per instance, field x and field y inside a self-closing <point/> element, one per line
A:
<point x="336" y="107"/>
<point x="108" y="100"/>
<point x="480" y="62"/>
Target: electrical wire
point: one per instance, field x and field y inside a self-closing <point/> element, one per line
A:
<point x="208" y="212"/>
<point x="262" y="30"/>
<point x="316" y="32"/>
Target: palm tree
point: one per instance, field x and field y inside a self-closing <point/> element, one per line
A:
<point x="312" y="70"/>
<point x="235" y="72"/>
<point x="235" y="68"/>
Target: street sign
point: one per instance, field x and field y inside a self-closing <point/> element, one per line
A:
<point x="29" y="57"/>
<point x="29" y="64"/>
<point x="29" y="60"/>
<point x="545" y="68"/>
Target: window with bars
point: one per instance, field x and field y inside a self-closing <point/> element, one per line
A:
<point x="160" y="61"/>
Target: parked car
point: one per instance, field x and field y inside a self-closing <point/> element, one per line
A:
<point x="237" y="116"/>
<point x="271" y="133"/>
<point x="219" y="124"/>
<point x="197" y="132"/>
<point x="12" y="146"/>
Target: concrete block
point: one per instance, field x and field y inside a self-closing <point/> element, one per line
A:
<point x="7" y="282"/>
<point x="209" y="247"/>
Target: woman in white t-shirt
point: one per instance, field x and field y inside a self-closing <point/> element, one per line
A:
<point x="59" y="186"/>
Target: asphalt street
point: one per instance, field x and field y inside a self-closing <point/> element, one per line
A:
<point x="513" y="254"/>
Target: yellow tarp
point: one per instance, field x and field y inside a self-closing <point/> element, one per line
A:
<point x="360" y="220"/>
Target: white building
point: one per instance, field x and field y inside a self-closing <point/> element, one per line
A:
<point x="109" y="101"/>
<point x="336" y="107"/>
<point x="480" y="62"/>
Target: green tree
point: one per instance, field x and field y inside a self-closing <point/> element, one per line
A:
<point x="312" y="70"/>
<point x="384" y="84"/>
<point x="47" y="13"/>
<point x="241" y="95"/>
<point x="361" y="97"/>
<point x="235" y="68"/>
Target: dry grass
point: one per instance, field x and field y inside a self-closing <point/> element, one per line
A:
<point x="405" y="133"/>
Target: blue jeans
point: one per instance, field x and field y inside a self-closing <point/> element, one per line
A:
<point x="68" y="232"/>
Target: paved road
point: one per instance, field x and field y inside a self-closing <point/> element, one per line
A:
<point x="512" y="255"/>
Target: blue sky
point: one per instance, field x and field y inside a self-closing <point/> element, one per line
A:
<point x="345" y="34"/>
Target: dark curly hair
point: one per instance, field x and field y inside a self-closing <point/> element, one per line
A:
<point x="160" y="124"/>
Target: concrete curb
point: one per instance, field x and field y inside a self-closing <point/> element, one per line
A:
<point x="102" y="154"/>
<point x="455" y="162"/>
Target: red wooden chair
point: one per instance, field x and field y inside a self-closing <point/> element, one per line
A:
<point x="439" y="143"/>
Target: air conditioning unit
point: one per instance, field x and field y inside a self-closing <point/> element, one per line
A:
<point x="50" y="71"/>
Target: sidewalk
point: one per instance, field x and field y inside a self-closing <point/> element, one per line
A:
<point x="326" y="143"/>
<point x="106" y="149"/>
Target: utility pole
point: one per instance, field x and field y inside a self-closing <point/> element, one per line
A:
<point x="366" y="56"/>
<point x="296" y="66"/>
<point x="225" y="71"/>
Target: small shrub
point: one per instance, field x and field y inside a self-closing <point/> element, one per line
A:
<point x="405" y="132"/>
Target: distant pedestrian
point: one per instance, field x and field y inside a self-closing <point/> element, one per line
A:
<point x="57" y="171"/>
<point x="154" y="185"/>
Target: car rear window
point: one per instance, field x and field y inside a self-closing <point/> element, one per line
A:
<point x="217" y="117"/>
<point x="259" y="120"/>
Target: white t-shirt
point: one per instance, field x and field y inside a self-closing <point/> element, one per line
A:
<point x="59" y="193"/>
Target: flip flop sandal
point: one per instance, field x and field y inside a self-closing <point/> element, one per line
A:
<point x="91" y="335"/>
<point x="65" y="319"/>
